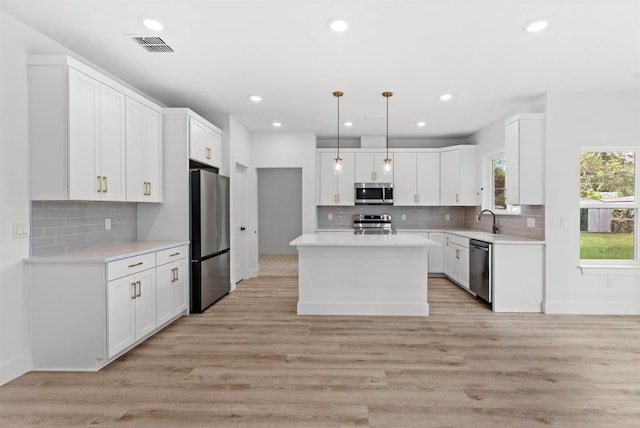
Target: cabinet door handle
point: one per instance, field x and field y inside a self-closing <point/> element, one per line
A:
<point x="133" y="288"/>
<point x="174" y="254"/>
<point x="175" y="278"/>
<point x="99" y="184"/>
<point x="149" y="191"/>
<point x="106" y="185"/>
<point x="457" y="254"/>
<point x="139" y="289"/>
<point x="457" y="198"/>
<point x="208" y="152"/>
<point x="136" y="264"/>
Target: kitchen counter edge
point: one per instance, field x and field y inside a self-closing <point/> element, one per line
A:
<point x="108" y="254"/>
<point x="472" y="234"/>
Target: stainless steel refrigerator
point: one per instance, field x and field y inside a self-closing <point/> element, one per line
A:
<point x="210" y="242"/>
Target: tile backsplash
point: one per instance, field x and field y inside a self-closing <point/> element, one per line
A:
<point x="514" y="225"/>
<point x="59" y="227"/>
<point x="436" y="218"/>
<point x="415" y="217"/>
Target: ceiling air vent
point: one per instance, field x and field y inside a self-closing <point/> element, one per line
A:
<point x="152" y="44"/>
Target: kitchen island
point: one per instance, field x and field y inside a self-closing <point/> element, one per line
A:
<point x="346" y="274"/>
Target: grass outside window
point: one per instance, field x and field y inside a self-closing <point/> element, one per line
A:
<point x="594" y="245"/>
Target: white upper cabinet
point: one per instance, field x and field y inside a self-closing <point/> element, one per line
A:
<point x="205" y="143"/>
<point x="524" y="153"/>
<point x="96" y="140"/>
<point x="112" y="165"/>
<point x="416" y="179"/>
<point x="78" y="135"/>
<point x="336" y="189"/>
<point x="144" y="152"/>
<point x="459" y="176"/>
<point x="369" y="167"/>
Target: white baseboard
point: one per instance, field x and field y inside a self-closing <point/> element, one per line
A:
<point x="15" y="368"/>
<point x="587" y="307"/>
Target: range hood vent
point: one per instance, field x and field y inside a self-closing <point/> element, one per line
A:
<point x="152" y="44"/>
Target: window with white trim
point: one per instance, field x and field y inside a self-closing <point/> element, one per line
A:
<point x="497" y="167"/>
<point x="608" y="206"/>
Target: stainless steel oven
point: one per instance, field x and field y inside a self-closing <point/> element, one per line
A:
<point x="374" y="193"/>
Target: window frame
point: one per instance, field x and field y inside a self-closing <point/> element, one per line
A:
<point x="488" y="201"/>
<point x="596" y="266"/>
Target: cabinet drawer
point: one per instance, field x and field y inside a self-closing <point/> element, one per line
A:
<point x="458" y="240"/>
<point x="172" y="254"/>
<point x="130" y="266"/>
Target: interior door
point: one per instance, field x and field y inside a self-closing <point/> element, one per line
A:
<point x="240" y="220"/>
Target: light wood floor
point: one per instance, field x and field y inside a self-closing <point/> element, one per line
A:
<point x="278" y="265"/>
<point x="250" y="361"/>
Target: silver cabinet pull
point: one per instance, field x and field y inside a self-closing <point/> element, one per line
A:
<point x="139" y="289"/>
<point x="457" y="198"/>
<point x="133" y="288"/>
<point x="149" y="191"/>
<point x="457" y="254"/>
<point x="99" y="184"/>
<point x="208" y="152"/>
<point x="106" y="184"/>
<point x="174" y="254"/>
<point x="136" y="264"/>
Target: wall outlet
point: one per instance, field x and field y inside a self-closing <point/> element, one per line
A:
<point x="447" y="217"/>
<point x="330" y="216"/>
<point x="404" y="217"/>
<point x="21" y="230"/>
<point x="531" y="222"/>
<point x="107" y="224"/>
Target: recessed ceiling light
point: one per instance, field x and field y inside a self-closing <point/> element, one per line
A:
<point x="348" y="124"/>
<point x="338" y="25"/>
<point x="421" y="124"/>
<point x="536" y="25"/>
<point x="255" y="98"/>
<point x="277" y="124"/>
<point x="152" y="24"/>
<point x="446" y="97"/>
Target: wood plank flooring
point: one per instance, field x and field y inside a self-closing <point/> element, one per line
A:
<point x="250" y="361"/>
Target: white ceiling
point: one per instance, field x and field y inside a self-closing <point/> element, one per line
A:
<point x="226" y="50"/>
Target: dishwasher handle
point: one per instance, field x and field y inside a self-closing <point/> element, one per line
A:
<point x="481" y="248"/>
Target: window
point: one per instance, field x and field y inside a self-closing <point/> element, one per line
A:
<point x="608" y="206"/>
<point x="497" y="171"/>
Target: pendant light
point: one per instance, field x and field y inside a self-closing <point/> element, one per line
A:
<point x="387" y="161"/>
<point x="337" y="169"/>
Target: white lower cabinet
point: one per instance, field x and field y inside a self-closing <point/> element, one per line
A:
<point x="102" y="308"/>
<point x="131" y="310"/>
<point x="456" y="254"/>
<point x="171" y="286"/>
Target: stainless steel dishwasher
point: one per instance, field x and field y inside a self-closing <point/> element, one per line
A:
<point x="480" y="264"/>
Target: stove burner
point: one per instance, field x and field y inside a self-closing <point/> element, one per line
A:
<point x="372" y="224"/>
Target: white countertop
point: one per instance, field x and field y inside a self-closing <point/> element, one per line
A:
<point x="340" y="239"/>
<point x="108" y="254"/>
<point x="473" y="234"/>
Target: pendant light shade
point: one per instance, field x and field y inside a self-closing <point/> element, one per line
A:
<point x="337" y="169"/>
<point x="387" y="160"/>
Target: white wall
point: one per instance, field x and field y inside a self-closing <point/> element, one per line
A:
<point x="16" y="42"/>
<point x="574" y="121"/>
<point x="279" y="209"/>
<point x="290" y="150"/>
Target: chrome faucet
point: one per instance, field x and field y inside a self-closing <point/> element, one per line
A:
<point x="494" y="228"/>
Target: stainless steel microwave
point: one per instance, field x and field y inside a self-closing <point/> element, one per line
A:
<point x="373" y="193"/>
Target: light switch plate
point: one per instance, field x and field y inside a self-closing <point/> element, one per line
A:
<point x="447" y="217"/>
<point x="531" y="222"/>
<point x="21" y="230"/>
<point x="107" y="224"/>
<point x="404" y="217"/>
